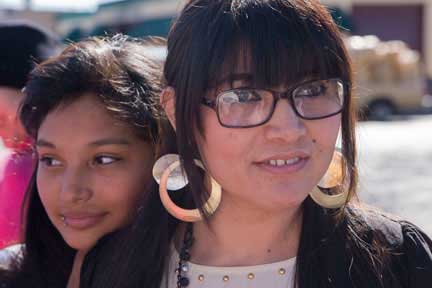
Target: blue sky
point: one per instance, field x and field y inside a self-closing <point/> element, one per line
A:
<point x="54" y="4"/>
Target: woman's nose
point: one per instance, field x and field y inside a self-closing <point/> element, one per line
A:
<point x="285" y="125"/>
<point x="75" y="186"/>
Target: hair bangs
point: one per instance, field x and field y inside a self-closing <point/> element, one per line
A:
<point x="273" y="48"/>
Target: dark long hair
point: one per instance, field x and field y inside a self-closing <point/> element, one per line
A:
<point x="122" y="75"/>
<point x="279" y="42"/>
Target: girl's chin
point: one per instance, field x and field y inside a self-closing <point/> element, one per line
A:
<point x="276" y="203"/>
<point x="281" y="199"/>
<point x="80" y="245"/>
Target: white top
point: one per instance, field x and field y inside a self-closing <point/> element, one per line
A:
<point x="10" y="253"/>
<point x="274" y="275"/>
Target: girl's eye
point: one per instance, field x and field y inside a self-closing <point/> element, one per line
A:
<point x="50" y="161"/>
<point x="311" y="90"/>
<point x="105" y="160"/>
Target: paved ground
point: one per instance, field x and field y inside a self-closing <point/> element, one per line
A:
<point x="395" y="162"/>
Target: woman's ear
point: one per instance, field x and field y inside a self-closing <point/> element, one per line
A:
<point x="167" y="101"/>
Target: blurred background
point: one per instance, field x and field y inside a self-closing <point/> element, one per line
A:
<point x="390" y="42"/>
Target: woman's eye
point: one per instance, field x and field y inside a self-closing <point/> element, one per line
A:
<point x="248" y="96"/>
<point x="105" y="160"/>
<point x="230" y="98"/>
<point x="241" y="96"/>
<point x="50" y="161"/>
<point x="311" y="91"/>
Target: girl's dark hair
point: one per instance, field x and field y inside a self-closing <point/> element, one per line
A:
<point x="278" y="42"/>
<point x="117" y="70"/>
<point x="122" y="75"/>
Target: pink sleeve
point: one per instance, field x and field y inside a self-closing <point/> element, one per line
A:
<point x="17" y="169"/>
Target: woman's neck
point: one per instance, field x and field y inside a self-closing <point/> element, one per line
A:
<point x="241" y="236"/>
<point x="74" y="278"/>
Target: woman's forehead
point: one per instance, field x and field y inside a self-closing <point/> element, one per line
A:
<point x="269" y="68"/>
<point x="249" y="79"/>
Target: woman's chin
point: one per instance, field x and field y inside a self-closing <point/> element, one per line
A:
<point x="283" y="199"/>
<point x="80" y="244"/>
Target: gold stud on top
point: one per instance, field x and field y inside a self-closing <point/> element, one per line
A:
<point x="282" y="271"/>
<point x="225" y="278"/>
<point x="201" y="278"/>
<point x="251" y="276"/>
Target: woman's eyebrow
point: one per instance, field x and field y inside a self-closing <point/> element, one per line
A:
<point x="110" y="141"/>
<point x="44" y="143"/>
<point x="101" y="142"/>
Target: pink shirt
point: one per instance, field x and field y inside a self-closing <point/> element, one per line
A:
<point x="15" y="172"/>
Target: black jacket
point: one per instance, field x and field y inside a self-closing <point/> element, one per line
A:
<point x="408" y="248"/>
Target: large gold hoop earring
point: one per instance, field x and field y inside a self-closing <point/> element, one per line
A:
<point x="332" y="178"/>
<point x="189" y="215"/>
<point x="177" y="179"/>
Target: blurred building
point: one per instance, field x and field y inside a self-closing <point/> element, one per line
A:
<point x="132" y="17"/>
<point x="73" y="22"/>
<point x="45" y="19"/>
<point x="406" y="20"/>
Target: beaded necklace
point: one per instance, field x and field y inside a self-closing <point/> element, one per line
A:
<point x="182" y="279"/>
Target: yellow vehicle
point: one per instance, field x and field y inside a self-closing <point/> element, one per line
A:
<point x="388" y="77"/>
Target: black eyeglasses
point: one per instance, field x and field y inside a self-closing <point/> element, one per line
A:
<point x="250" y="107"/>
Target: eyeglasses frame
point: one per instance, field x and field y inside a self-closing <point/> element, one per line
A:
<point x="288" y="95"/>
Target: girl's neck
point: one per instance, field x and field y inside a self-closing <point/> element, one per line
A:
<point x="245" y="237"/>
<point x="74" y="278"/>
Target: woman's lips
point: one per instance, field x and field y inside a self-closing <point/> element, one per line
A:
<point x="82" y="221"/>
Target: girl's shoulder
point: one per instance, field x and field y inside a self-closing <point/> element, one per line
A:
<point x="10" y="255"/>
<point x="398" y="232"/>
<point x="409" y="245"/>
<point x="416" y="255"/>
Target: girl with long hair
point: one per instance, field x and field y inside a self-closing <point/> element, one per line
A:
<point x="89" y="112"/>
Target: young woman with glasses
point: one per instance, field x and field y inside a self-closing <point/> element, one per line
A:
<point x="257" y="91"/>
